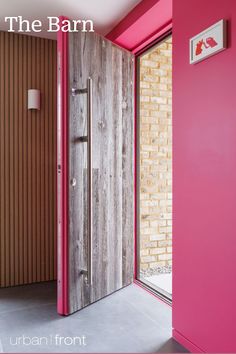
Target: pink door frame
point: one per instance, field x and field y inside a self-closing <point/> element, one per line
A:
<point x="149" y="20"/>
<point x="62" y="173"/>
<point x="158" y="38"/>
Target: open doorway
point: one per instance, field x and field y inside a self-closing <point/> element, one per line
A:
<point x="154" y="167"/>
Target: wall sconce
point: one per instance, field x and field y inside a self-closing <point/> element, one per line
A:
<point x="33" y="99"/>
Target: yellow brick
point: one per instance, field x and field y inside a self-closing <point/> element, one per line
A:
<point x="159" y="250"/>
<point x="144" y="252"/>
<point x="164" y="257"/>
<point x="156" y="155"/>
<point x="157" y="264"/>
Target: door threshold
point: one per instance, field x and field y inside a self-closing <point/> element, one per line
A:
<point x="153" y="291"/>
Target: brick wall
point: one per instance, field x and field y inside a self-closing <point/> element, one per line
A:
<point x="156" y="157"/>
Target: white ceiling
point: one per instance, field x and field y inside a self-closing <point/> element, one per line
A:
<point x="105" y="13"/>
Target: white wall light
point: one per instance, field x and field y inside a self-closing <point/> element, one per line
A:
<point x="33" y="99"/>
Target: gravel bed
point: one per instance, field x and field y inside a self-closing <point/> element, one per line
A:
<point x="155" y="271"/>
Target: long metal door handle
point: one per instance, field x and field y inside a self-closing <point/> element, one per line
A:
<point x="90" y="180"/>
<point x="88" y="139"/>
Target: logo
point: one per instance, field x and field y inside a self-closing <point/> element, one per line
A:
<point x="210" y="42"/>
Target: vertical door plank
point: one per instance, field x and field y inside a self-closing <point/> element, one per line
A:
<point x="77" y="200"/>
<point x="127" y="169"/>
<point x="111" y="69"/>
<point x="115" y="170"/>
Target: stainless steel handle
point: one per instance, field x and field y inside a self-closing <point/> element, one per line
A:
<point x="90" y="181"/>
<point x="88" y="139"/>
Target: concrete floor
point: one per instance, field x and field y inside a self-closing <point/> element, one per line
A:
<point x="131" y="320"/>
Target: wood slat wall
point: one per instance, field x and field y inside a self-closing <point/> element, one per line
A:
<point x="27" y="160"/>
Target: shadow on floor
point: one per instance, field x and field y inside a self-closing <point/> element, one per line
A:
<point x="171" y="346"/>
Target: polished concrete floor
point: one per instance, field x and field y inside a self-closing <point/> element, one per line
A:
<point x="131" y="320"/>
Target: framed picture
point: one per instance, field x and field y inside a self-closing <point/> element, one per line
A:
<point x="209" y="42"/>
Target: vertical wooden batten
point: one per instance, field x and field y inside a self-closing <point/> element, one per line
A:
<point x="27" y="160"/>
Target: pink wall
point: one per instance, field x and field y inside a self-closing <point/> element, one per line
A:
<point x="204" y="207"/>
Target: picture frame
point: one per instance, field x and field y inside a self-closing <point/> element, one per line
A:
<point x="208" y="42"/>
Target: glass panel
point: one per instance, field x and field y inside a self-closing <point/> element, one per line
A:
<point x="155" y="167"/>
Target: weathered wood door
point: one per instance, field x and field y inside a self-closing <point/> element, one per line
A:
<point x="100" y="169"/>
